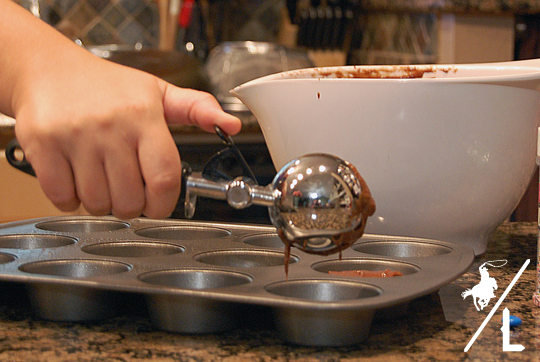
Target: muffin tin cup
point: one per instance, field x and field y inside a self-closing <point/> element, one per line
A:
<point x="83" y="225"/>
<point x="67" y="303"/>
<point x="320" y="327"/>
<point x="6" y="258"/>
<point x="192" y="314"/>
<point x="72" y="303"/>
<point x="401" y="248"/>
<point x="310" y="327"/>
<point x="33" y="241"/>
<point x="204" y="277"/>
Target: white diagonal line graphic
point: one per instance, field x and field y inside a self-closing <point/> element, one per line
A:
<point x="497" y="305"/>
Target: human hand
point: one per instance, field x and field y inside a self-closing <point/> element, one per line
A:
<point x="96" y="133"/>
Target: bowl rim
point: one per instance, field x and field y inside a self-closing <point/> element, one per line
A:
<point x="525" y="74"/>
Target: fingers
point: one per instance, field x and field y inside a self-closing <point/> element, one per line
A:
<point x="104" y="184"/>
<point x="55" y="177"/>
<point x="187" y="106"/>
<point x="113" y="184"/>
<point x="162" y="171"/>
<point x="91" y="182"/>
<point x="124" y="182"/>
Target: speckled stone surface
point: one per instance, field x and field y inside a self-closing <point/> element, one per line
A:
<point x="489" y="6"/>
<point x="435" y="328"/>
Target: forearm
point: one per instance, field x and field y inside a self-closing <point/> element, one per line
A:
<point x="28" y="47"/>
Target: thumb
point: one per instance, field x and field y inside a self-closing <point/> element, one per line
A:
<point x="188" y="106"/>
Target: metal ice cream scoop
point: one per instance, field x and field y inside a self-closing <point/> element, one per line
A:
<point x="318" y="202"/>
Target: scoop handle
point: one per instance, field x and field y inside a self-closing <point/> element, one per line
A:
<point x="13" y="147"/>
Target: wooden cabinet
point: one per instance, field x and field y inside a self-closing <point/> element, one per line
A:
<point x="21" y="196"/>
<point x="475" y="38"/>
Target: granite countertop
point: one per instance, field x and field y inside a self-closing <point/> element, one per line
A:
<point x="435" y="328"/>
<point x="473" y="6"/>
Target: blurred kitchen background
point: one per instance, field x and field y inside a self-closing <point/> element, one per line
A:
<point x="211" y="36"/>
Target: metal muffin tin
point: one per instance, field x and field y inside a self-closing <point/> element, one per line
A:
<point x="203" y="277"/>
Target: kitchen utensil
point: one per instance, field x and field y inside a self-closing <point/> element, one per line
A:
<point x="184" y="21"/>
<point x="326" y="26"/>
<point x="163" y="10"/>
<point x="319" y="203"/>
<point x="172" y="23"/>
<point x="194" y="33"/>
<point x="448" y="150"/>
<point x="201" y="277"/>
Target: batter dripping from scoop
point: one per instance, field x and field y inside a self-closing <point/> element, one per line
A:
<point x="333" y="221"/>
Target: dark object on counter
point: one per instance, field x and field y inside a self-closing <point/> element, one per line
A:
<point x="176" y="67"/>
<point x="515" y="321"/>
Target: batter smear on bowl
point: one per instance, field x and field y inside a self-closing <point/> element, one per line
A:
<point x="389" y="72"/>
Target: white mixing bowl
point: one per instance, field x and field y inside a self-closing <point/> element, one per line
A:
<point x="447" y="153"/>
